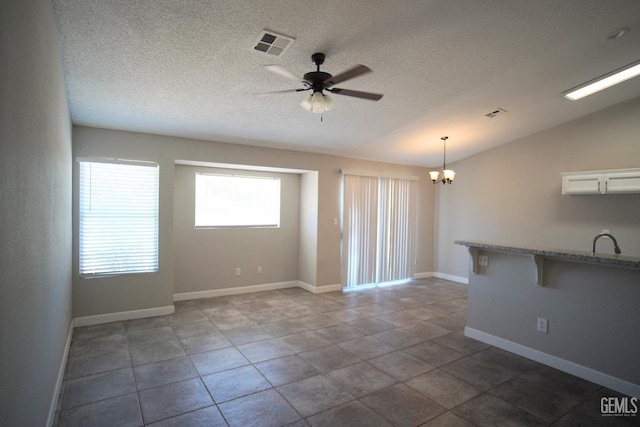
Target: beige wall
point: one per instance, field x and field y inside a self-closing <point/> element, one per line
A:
<point x="94" y="296"/>
<point x="512" y="194"/>
<point x="308" y="247"/>
<point x="35" y="213"/>
<point x="206" y="259"/>
<point x="319" y="253"/>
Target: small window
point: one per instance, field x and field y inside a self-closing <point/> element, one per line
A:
<point x="237" y="201"/>
<point x="118" y="217"/>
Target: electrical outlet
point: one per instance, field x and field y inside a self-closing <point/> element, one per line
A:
<point x="483" y="260"/>
<point x="238" y="271"/>
<point x="259" y="269"/>
<point x="543" y="325"/>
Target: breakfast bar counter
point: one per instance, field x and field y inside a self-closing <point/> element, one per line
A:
<point x="563" y="254"/>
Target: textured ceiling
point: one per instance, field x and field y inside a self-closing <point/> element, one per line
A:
<point x="188" y="68"/>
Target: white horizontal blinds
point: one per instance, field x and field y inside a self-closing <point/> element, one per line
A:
<point x="360" y="229"/>
<point x="396" y="229"/>
<point x="118" y="217"/>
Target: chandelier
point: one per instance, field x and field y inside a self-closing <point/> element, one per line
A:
<point x="447" y="174"/>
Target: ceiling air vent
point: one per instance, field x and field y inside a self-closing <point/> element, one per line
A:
<point x="495" y="113"/>
<point x="272" y="43"/>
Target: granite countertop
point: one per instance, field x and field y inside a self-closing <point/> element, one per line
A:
<point x="564" y="254"/>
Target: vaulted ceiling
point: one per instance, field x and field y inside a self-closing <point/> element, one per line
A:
<point x="189" y="68"/>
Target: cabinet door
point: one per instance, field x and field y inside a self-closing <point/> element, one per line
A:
<point x="622" y="182"/>
<point x="582" y="184"/>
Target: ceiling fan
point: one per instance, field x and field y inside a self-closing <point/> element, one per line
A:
<point x="320" y="81"/>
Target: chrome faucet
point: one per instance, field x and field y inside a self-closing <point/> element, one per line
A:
<point x="616" y="248"/>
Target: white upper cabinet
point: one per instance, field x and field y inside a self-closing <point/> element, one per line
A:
<point x="601" y="182"/>
<point x="622" y="182"/>
<point x="581" y="183"/>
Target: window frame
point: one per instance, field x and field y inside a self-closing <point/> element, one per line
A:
<point x="277" y="203"/>
<point x="152" y="262"/>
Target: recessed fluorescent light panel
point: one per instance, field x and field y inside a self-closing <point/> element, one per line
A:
<point x="611" y="79"/>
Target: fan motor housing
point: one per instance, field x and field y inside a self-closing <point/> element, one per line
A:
<point x="318" y="58"/>
<point x="317" y="79"/>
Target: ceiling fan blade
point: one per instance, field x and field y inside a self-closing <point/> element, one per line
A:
<point x="357" y="94"/>
<point x="279" y="92"/>
<point x="285" y="73"/>
<point x="356" y="71"/>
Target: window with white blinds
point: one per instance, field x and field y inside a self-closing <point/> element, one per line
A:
<point x="118" y="217"/>
<point x="237" y="201"/>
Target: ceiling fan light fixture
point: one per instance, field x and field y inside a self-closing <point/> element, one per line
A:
<point x="317" y="103"/>
<point x="320" y="81"/>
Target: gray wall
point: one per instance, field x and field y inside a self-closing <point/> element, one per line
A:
<point x="206" y="259"/>
<point x="319" y="237"/>
<point x="592" y="314"/>
<point x="35" y="212"/>
<point x="512" y="194"/>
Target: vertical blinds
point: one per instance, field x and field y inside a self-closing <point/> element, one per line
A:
<point x="118" y="217"/>
<point x="379" y="228"/>
<point x="396" y="229"/>
<point x="361" y="227"/>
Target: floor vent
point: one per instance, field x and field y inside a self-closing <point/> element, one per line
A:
<point x="272" y="43"/>
<point x="494" y="113"/>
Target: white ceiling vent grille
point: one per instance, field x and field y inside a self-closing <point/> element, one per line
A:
<point x="272" y="43"/>
<point x="495" y="113"/>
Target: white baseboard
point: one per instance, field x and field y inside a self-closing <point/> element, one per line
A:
<point x="161" y="311"/>
<point x="567" y="366"/>
<point x="234" y="291"/>
<point x="256" y="288"/>
<point x="458" y="279"/>
<point x="319" y="289"/>
<point x="123" y="315"/>
<point x="63" y="365"/>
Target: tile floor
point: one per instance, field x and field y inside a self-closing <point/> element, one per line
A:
<point x="392" y="356"/>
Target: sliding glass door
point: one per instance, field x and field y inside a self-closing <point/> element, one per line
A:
<point x="378" y="229"/>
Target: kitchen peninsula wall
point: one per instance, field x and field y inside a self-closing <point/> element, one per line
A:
<point x="589" y="307"/>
